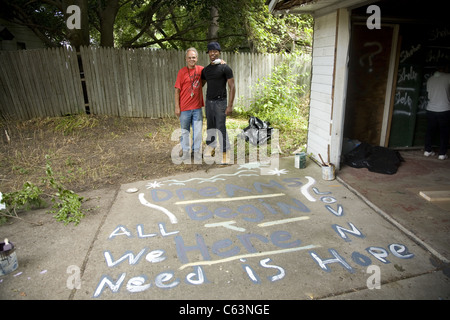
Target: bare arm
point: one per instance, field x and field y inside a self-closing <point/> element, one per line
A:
<point x="232" y="92"/>
<point x="177" y="102"/>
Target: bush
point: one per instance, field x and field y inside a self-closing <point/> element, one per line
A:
<point x="27" y="198"/>
<point x="67" y="205"/>
<point x="281" y="100"/>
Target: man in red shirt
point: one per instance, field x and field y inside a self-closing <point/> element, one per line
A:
<point x="189" y="103"/>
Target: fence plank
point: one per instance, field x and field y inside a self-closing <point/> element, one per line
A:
<point x="119" y="82"/>
<point x="10" y="101"/>
<point x="37" y="84"/>
<point x="32" y="89"/>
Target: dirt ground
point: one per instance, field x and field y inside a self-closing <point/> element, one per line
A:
<point x="87" y="152"/>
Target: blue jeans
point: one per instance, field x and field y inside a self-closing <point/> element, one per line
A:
<point x="194" y="118"/>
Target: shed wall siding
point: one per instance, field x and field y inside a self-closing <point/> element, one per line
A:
<point x="322" y="85"/>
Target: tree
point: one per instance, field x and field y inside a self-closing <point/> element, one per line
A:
<point x="106" y="12"/>
<point x="239" y="25"/>
<point x="213" y="30"/>
<point x="44" y="19"/>
<point x="47" y="19"/>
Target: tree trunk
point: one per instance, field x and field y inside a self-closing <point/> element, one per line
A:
<point x="213" y="29"/>
<point x="107" y="17"/>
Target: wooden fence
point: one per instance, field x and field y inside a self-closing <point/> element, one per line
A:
<point x="117" y="82"/>
<point x="40" y="83"/>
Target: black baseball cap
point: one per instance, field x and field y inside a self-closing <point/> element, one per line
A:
<point x="213" y="46"/>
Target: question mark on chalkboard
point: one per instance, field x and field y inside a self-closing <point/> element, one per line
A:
<point x="370" y="54"/>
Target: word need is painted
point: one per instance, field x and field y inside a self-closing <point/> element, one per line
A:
<point x="246" y="241"/>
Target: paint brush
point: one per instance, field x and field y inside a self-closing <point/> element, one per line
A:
<point x="7" y="245"/>
<point x="323" y="163"/>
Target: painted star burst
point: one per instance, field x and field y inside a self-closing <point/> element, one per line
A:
<point x="153" y="185"/>
<point x="277" y="171"/>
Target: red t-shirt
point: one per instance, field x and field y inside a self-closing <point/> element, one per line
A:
<point x="189" y="82"/>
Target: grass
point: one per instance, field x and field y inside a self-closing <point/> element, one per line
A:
<point x="86" y="151"/>
<point x="89" y="152"/>
<point x="96" y="152"/>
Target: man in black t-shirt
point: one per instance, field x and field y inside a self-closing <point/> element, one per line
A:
<point x="217" y="106"/>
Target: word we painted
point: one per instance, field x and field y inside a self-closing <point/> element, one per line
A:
<point x="172" y="278"/>
<point x="267" y="220"/>
<point x="239" y="247"/>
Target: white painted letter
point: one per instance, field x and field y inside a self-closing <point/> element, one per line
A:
<point x="373" y="22"/>
<point x="105" y="281"/>
<point x="74" y="21"/>
<point x="137" y="284"/>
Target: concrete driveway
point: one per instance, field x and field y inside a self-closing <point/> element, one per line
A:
<point x="231" y="233"/>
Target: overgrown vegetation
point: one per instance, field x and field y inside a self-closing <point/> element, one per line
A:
<point x="27" y="198"/>
<point x="49" y="161"/>
<point x="67" y="205"/>
<point x="68" y="124"/>
<point x="90" y="152"/>
<point x="281" y="100"/>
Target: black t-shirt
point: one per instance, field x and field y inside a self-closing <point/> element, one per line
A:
<point x="216" y="76"/>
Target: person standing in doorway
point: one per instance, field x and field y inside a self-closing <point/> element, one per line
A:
<point x="438" y="112"/>
<point x="218" y="104"/>
<point x="188" y="105"/>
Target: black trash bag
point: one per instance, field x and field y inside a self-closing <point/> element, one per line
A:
<point x="357" y="158"/>
<point x="374" y="158"/>
<point x="258" y="131"/>
<point x="384" y="160"/>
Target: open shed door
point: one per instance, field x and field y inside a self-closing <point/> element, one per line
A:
<point x="369" y="83"/>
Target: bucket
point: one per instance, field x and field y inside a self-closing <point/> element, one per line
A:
<point x="8" y="259"/>
<point x="300" y="160"/>
<point x="328" y="172"/>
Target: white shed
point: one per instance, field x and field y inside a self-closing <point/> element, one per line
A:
<point x="368" y="80"/>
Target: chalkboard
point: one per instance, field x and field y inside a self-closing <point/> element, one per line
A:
<point x="406" y="97"/>
<point x="422" y="49"/>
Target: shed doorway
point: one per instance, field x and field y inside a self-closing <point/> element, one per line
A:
<point x="388" y="69"/>
<point x="372" y="57"/>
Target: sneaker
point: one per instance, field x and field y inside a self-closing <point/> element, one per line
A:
<point x="428" y="154"/>
<point x="443" y="157"/>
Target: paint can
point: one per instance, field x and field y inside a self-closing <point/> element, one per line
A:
<point x="300" y="160"/>
<point x="329" y="172"/>
<point x="8" y="259"/>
